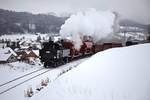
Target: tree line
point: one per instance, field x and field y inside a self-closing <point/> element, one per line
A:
<point x="23" y="22"/>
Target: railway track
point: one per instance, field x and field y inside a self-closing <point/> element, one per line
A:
<point x="22" y="79"/>
<point x="5" y="83"/>
<point x="11" y="87"/>
<point x="7" y="86"/>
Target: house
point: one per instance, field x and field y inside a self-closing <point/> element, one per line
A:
<point x="7" y="55"/>
<point x="29" y="55"/>
<point x="13" y="44"/>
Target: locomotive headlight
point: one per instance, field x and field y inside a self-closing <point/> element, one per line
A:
<point x="48" y="52"/>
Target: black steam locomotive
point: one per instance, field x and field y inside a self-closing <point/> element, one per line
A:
<point x="54" y="54"/>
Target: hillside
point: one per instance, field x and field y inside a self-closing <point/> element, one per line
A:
<point x="12" y="22"/>
<point x="24" y="22"/>
<point x="104" y="78"/>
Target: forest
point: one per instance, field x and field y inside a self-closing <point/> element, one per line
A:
<point x="12" y="22"/>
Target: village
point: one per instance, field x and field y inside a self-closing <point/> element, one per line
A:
<point x="22" y="49"/>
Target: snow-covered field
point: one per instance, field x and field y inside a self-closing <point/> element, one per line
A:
<point x="114" y="74"/>
<point x="17" y="93"/>
<point x="28" y="37"/>
<point x="14" y="37"/>
<point x="13" y="70"/>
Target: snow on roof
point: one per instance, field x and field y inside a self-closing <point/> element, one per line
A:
<point x="56" y="38"/>
<point x="5" y="53"/>
<point x="4" y="57"/>
<point x="114" y="74"/>
<point x="24" y="47"/>
<point x="36" y="52"/>
<point x="27" y="51"/>
<point x="6" y="50"/>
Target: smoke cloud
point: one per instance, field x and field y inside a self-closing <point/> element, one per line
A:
<point x="97" y="24"/>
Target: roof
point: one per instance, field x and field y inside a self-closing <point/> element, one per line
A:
<point x="24" y="47"/>
<point x="4" y="57"/>
<point x="36" y="52"/>
<point x="5" y="53"/>
<point x="28" y="52"/>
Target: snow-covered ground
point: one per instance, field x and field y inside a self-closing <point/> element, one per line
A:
<point x="17" y="93"/>
<point x="14" y="37"/>
<point x="114" y="74"/>
<point x="13" y="70"/>
<point x="28" y="37"/>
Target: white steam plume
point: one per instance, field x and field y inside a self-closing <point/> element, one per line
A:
<point x="97" y="24"/>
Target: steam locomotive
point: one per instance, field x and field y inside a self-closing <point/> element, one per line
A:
<point x="54" y="54"/>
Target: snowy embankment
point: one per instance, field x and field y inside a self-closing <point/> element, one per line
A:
<point x="13" y="70"/>
<point x="114" y="74"/>
<point x="17" y="92"/>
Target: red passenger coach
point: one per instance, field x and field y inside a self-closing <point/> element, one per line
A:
<point x="111" y="45"/>
<point x="116" y="45"/>
<point x="107" y="46"/>
<point x="97" y="48"/>
<point x="100" y="47"/>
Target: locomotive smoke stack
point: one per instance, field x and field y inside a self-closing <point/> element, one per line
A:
<point x="97" y="24"/>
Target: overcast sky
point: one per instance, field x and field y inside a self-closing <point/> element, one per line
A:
<point x="137" y="10"/>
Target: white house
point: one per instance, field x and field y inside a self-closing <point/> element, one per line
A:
<point x="7" y="55"/>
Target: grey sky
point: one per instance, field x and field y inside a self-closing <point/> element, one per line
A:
<point x="137" y="10"/>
